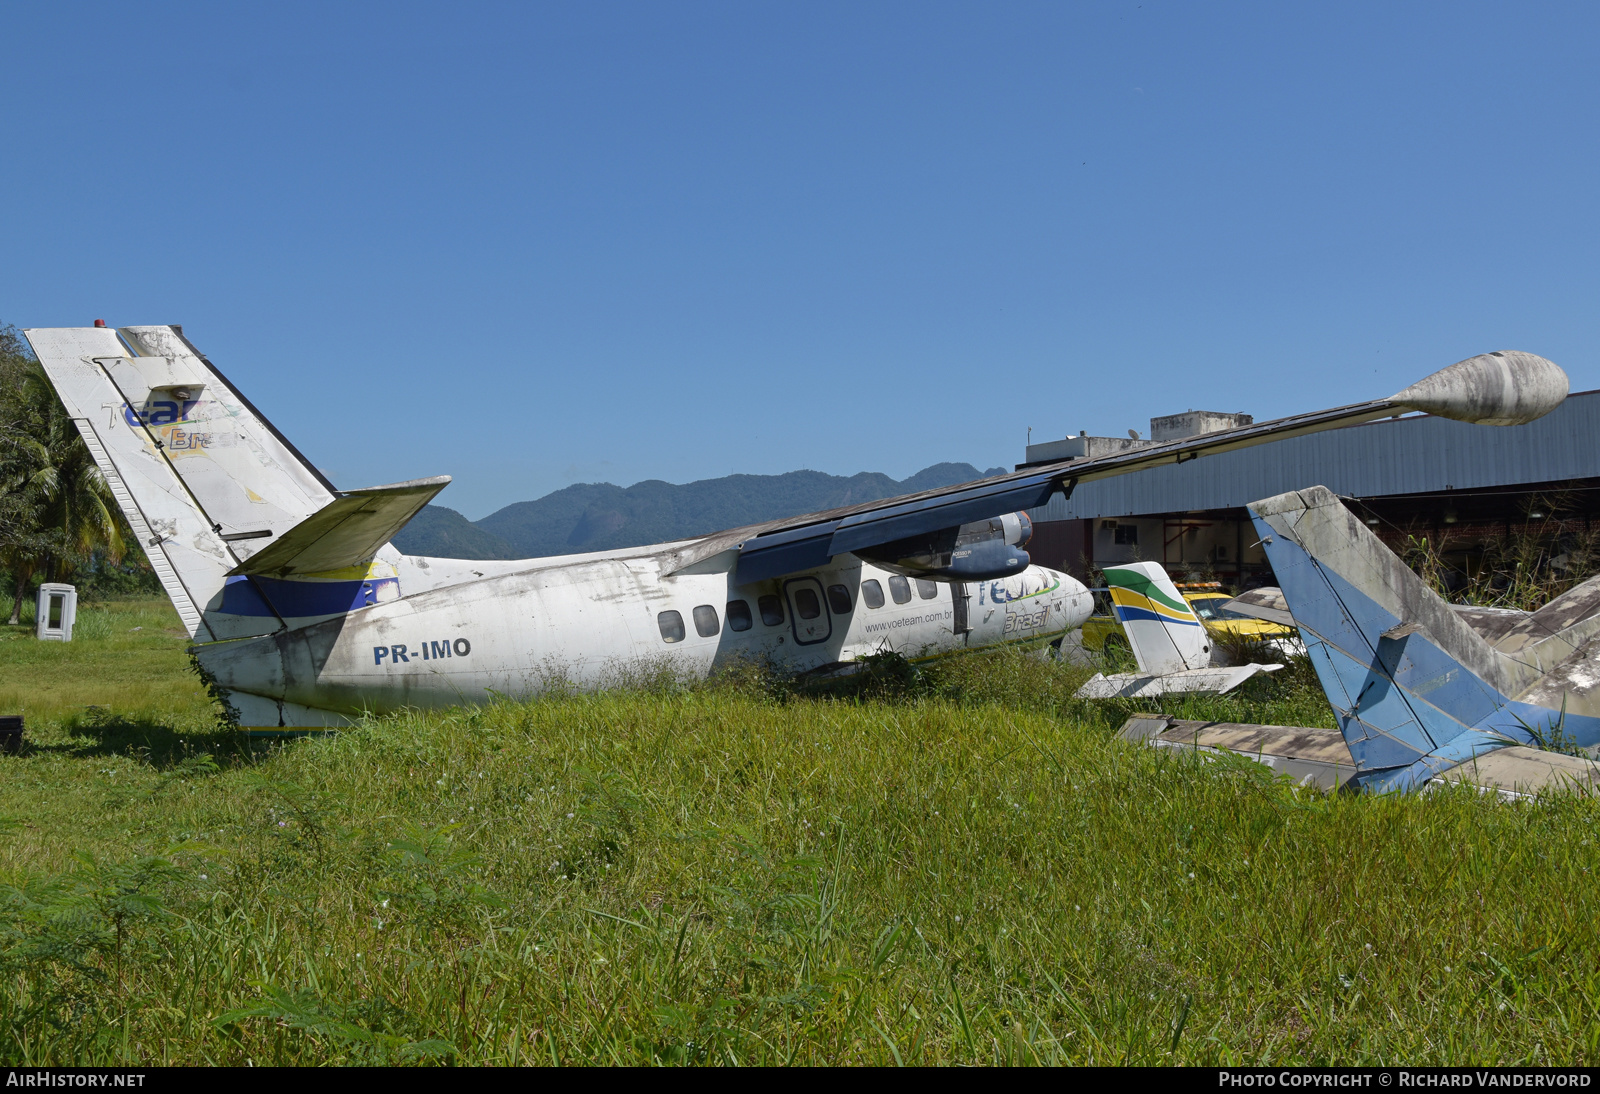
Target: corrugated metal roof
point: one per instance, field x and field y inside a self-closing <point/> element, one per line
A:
<point x="1411" y="455"/>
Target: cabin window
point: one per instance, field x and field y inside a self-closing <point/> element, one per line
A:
<point x="671" y="624"/>
<point x="738" y="615"/>
<point x="807" y="604"/>
<point x="839" y="599"/>
<point x="706" y="622"/>
<point x="900" y="589"/>
<point x="927" y="589"/>
<point x="771" y="611"/>
<point x="872" y="593"/>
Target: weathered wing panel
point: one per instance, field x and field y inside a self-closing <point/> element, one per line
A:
<point x="1550" y="635"/>
<point x="1519" y="771"/>
<point x="1317" y="757"/>
<point x="1264" y="603"/>
<point x="1492" y="388"/>
<point x="1573" y="686"/>
<point x="1491" y="624"/>
<point x="1320" y="757"/>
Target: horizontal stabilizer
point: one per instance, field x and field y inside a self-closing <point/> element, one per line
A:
<point x="1319" y="757"/>
<point x="1266" y="603"/>
<point x="1521" y="772"/>
<point x="1139" y="685"/>
<point x="1311" y="757"/>
<point x="348" y="531"/>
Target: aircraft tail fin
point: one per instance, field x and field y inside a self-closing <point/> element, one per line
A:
<point x="1163" y="631"/>
<point x="1168" y="641"/>
<point x="1415" y="688"/>
<point x="205" y="481"/>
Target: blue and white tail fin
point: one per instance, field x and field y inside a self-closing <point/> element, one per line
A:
<point x="207" y="484"/>
<point x="1417" y="689"/>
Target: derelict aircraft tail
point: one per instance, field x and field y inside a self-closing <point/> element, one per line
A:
<point x="1418" y="685"/>
<point x="1163" y="631"/>
<point x="247" y="537"/>
<point x="1169" y="643"/>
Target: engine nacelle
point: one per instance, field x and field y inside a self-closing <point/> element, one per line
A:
<point x="980" y="551"/>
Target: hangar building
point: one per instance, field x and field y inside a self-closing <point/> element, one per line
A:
<point x="1463" y="486"/>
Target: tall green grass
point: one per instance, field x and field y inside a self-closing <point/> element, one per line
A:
<point x="957" y="864"/>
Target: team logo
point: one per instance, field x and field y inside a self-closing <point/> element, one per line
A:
<point x="1022" y="587"/>
<point x="158" y="412"/>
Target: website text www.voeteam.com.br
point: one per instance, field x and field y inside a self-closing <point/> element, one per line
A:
<point x="908" y="621"/>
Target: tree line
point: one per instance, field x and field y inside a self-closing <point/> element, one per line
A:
<point x="58" y="520"/>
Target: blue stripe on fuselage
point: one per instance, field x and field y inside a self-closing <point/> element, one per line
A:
<point x="243" y="596"/>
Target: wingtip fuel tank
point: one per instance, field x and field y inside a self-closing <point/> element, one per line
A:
<point x="1508" y="387"/>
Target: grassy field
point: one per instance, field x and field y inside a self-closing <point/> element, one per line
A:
<point x="126" y="656"/>
<point x="954" y="866"/>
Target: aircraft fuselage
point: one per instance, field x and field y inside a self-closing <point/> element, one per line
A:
<point x="599" y="621"/>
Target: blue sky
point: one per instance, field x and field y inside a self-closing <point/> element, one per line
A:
<point x="532" y="245"/>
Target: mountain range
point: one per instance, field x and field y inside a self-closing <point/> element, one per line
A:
<point x="600" y="516"/>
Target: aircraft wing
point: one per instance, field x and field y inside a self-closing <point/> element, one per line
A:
<point x="1505" y="388"/>
<point x="348" y="531"/>
<point x="1266" y="603"/>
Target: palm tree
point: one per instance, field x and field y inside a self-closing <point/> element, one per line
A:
<point x="55" y="507"/>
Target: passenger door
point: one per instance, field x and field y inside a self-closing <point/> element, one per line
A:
<point x="960" y="601"/>
<point x="808" y="610"/>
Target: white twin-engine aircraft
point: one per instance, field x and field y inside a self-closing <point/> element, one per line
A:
<point x="307" y="617"/>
